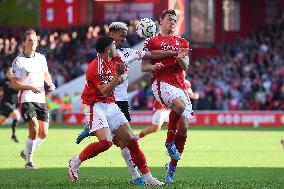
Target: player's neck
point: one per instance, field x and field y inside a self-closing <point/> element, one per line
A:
<point x="105" y="57"/>
<point x="29" y="53"/>
<point x="166" y="32"/>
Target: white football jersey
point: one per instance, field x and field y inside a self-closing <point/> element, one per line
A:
<point x="127" y="56"/>
<point x="30" y="71"/>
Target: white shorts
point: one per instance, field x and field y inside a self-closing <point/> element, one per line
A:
<point x="166" y="93"/>
<point x="106" y="115"/>
<point x="160" y="116"/>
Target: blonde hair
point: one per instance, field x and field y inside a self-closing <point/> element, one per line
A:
<point x="28" y="32"/>
<point x="114" y="26"/>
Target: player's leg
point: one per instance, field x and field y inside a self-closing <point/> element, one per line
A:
<point x="5" y="113"/>
<point x="43" y="120"/>
<point x="180" y="136"/>
<point x="171" y="100"/>
<point x="100" y="128"/>
<point x="125" y="135"/>
<point x="86" y="130"/>
<point x="158" y="119"/>
<point x="282" y="143"/>
<point x="16" y="118"/>
<point x="125" y="153"/>
<point x="30" y="117"/>
<point x="3" y="120"/>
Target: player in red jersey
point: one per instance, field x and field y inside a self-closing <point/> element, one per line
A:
<point x="106" y="119"/>
<point x="161" y="113"/>
<point x="169" y="87"/>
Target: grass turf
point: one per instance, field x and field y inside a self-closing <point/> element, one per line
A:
<point x="214" y="157"/>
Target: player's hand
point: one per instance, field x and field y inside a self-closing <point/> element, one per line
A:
<point x="195" y="96"/>
<point x="158" y="66"/>
<point x="182" y="53"/>
<point x="120" y="80"/>
<point x="120" y="68"/>
<point x="36" y="89"/>
<point x="52" y="87"/>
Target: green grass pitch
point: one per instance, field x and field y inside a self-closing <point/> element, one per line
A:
<point x="230" y="157"/>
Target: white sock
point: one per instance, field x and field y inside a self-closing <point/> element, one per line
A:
<point x="30" y="147"/>
<point x="77" y="160"/>
<point x="39" y="141"/>
<point x="148" y="176"/>
<point x="130" y="164"/>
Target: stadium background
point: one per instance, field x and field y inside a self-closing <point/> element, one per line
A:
<point x="237" y="66"/>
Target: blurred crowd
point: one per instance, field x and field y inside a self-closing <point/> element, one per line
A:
<point x="248" y="75"/>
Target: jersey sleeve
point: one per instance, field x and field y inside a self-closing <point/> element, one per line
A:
<point x="132" y="55"/>
<point x="45" y="68"/>
<point x="16" y="68"/>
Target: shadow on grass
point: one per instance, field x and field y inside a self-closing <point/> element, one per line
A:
<point x="186" y="177"/>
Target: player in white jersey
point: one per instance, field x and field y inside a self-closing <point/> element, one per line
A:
<point x="29" y="74"/>
<point x="118" y="30"/>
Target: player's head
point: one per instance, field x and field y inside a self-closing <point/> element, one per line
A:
<point x="105" y="45"/>
<point x="168" y="21"/>
<point x="30" y="40"/>
<point x="118" y="30"/>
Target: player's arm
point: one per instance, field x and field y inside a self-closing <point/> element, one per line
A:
<point x="183" y="58"/>
<point x="146" y="66"/>
<point x="122" y="78"/>
<point x="159" y="54"/>
<point x="16" y="84"/>
<point x="192" y="95"/>
<point x="108" y="88"/>
<point x="48" y="81"/>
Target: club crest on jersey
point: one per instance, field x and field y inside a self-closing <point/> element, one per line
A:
<point x="28" y="73"/>
<point x="126" y="55"/>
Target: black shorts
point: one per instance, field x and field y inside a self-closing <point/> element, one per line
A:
<point x="124" y="107"/>
<point x="8" y="108"/>
<point x="34" y="109"/>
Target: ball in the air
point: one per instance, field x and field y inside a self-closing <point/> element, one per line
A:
<point x="146" y="28"/>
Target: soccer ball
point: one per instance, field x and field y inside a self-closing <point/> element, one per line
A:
<point x="146" y="28"/>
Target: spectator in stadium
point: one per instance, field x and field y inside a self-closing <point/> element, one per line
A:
<point x="30" y="72"/>
<point x="9" y="103"/>
<point x="102" y="76"/>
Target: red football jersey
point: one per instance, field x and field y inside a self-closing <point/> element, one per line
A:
<point x="99" y="72"/>
<point x="157" y="105"/>
<point x="171" y="73"/>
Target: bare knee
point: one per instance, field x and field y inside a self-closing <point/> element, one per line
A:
<point x="178" y="106"/>
<point x="179" y="109"/>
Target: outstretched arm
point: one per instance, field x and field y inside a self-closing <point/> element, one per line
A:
<point x="192" y="94"/>
<point x="146" y="66"/>
<point x="158" y="54"/>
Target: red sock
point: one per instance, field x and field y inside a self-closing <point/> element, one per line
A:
<point x="179" y="142"/>
<point x="94" y="149"/>
<point x="138" y="156"/>
<point x="172" y="125"/>
<point x="141" y="135"/>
